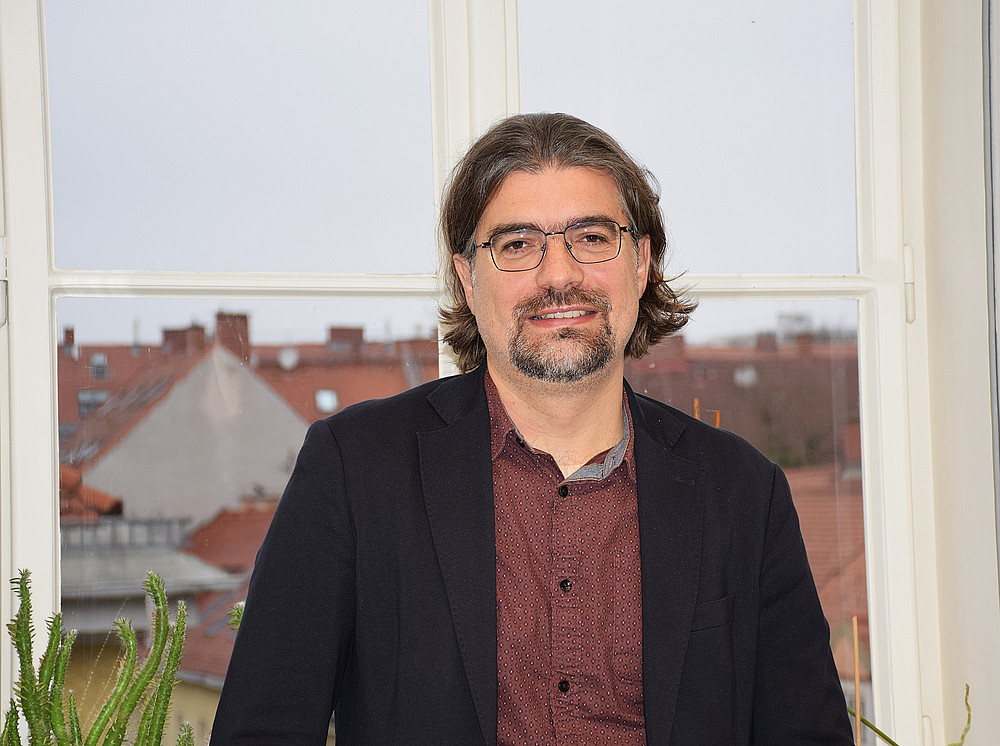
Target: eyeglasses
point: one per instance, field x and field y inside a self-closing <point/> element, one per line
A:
<point x="589" y="242"/>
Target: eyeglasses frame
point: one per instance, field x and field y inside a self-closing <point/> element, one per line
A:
<point x="569" y="248"/>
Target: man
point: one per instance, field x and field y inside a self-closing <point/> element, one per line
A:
<point x="531" y="553"/>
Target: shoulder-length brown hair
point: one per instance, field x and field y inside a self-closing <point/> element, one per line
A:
<point x="533" y="142"/>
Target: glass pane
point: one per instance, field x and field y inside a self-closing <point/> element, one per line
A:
<point x="744" y="112"/>
<point x="785" y="376"/>
<point x="175" y="444"/>
<point x="241" y="136"/>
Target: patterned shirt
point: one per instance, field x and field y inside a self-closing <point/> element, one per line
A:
<point x="569" y="602"/>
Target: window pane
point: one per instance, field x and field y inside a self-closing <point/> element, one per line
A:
<point x="241" y="136"/>
<point x="785" y="377"/>
<point x="744" y="111"/>
<point x="177" y="464"/>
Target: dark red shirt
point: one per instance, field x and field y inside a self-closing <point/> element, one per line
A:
<point x="569" y="599"/>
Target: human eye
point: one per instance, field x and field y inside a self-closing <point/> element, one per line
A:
<point x="593" y="235"/>
<point x="515" y="244"/>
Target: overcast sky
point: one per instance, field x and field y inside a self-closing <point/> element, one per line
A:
<point x="261" y="136"/>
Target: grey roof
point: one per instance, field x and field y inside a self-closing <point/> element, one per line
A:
<point x="118" y="572"/>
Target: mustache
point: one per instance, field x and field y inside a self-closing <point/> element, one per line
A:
<point x="548" y="298"/>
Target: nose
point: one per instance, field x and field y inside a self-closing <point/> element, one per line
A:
<point x="558" y="269"/>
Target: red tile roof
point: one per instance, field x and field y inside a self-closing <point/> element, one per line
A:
<point x="136" y="395"/>
<point x="75" y="373"/>
<point x="231" y="539"/>
<point x="831" y="515"/>
<point x="376" y="370"/>
<point x="79" y="502"/>
<point x="209" y="643"/>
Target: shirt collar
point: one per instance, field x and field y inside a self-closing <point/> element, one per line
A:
<point x="503" y="429"/>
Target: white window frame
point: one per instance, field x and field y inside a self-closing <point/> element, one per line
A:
<point x="474" y="81"/>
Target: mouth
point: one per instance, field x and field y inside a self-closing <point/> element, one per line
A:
<point x="554" y="308"/>
<point x="574" y="314"/>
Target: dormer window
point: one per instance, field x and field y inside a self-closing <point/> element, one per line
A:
<point x="98" y="366"/>
<point x="326" y="401"/>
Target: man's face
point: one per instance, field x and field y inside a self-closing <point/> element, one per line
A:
<point x="563" y="320"/>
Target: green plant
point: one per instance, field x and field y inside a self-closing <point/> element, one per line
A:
<point x="884" y="737"/>
<point x="144" y="687"/>
<point x="236" y="615"/>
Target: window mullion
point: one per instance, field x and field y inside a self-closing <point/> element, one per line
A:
<point x="28" y="471"/>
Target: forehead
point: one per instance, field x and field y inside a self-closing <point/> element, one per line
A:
<point x="551" y="197"/>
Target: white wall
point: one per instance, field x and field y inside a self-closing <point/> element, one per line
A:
<point x="954" y="274"/>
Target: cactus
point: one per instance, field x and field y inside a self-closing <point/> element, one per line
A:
<point x="960" y="742"/>
<point x="40" y="694"/>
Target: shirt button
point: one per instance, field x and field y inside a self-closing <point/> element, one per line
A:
<point x="566" y="585"/>
<point x="563" y="490"/>
<point x="564" y="686"/>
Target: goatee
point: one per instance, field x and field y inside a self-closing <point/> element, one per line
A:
<point x="544" y="360"/>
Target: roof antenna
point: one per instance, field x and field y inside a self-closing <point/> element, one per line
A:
<point x="135" y="336"/>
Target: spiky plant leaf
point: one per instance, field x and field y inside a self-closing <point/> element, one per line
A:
<point x="159" y="706"/>
<point x="125" y="671"/>
<point x="63" y="735"/>
<point x="186" y="735"/>
<point x="161" y="631"/>
<point x="236" y="615"/>
<point x="115" y="735"/>
<point x="47" y="666"/>
<point x="75" y="731"/>
<point x="32" y="700"/>
<point x="117" y="729"/>
<point x="10" y="736"/>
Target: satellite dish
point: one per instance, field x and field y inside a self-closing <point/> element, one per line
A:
<point x="288" y="358"/>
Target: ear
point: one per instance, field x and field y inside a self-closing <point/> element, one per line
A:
<point x="642" y="264"/>
<point x="464" y="271"/>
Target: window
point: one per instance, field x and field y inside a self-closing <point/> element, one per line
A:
<point x="88" y="399"/>
<point x="916" y="141"/>
<point x="98" y="366"/>
<point x="326" y="400"/>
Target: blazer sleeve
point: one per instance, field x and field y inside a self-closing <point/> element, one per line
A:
<point x="293" y="644"/>
<point x="798" y="698"/>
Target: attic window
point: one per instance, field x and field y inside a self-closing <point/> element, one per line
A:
<point x="88" y="399"/>
<point x="326" y="401"/>
<point x="745" y="376"/>
<point x="98" y="366"/>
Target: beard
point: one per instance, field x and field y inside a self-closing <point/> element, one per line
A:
<point x="549" y="359"/>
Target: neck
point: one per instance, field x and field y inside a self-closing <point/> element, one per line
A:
<point x="571" y="421"/>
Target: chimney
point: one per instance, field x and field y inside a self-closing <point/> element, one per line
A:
<point x="767" y="342"/>
<point x="232" y="331"/>
<point x="345" y="340"/>
<point x="68" y="346"/>
<point x="804" y="344"/>
<point x="184" y="341"/>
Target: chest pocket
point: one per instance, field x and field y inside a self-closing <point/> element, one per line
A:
<point x="711" y="614"/>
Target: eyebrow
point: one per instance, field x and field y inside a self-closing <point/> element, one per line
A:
<point x="510" y="227"/>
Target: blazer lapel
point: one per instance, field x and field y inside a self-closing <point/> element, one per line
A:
<point x="670" y="533"/>
<point x="456" y="472"/>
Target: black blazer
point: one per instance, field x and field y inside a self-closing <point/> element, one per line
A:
<point x="374" y="592"/>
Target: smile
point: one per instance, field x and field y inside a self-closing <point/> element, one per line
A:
<point x="563" y="315"/>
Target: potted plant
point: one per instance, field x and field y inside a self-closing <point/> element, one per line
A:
<point x="138" y="703"/>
